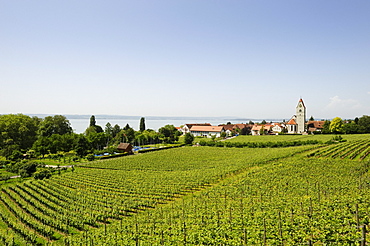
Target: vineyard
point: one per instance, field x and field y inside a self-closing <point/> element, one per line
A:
<point x="197" y="196"/>
<point x="353" y="150"/>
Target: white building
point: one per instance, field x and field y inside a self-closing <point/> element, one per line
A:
<point x="297" y="123"/>
<point x="207" y="131"/>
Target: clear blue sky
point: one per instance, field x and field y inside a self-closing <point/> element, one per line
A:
<point x="251" y="59"/>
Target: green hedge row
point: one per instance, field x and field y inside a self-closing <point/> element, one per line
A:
<point x="156" y="149"/>
<point x="278" y="144"/>
<point x="111" y="156"/>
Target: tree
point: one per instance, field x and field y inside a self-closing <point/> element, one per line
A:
<point x="81" y="145"/>
<point x="364" y="123"/>
<point x="92" y="120"/>
<point x="93" y="125"/>
<point x="336" y="125"/>
<point x="116" y="129"/>
<point x="326" y="127"/>
<point x="351" y="128"/>
<point x="169" y="133"/>
<point x="57" y="124"/>
<point x="142" y="124"/>
<point x="18" y="132"/>
<point x="127" y="134"/>
<point x="188" y="138"/>
<point x="262" y="130"/>
<point x="263" y="122"/>
<point x="311" y="118"/>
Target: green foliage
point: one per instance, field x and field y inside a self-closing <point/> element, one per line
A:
<point x="42" y="174"/>
<point x="197" y="196"/>
<point x="188" y="138"/>
<point x="24" y="169"/>
<point x="336" y="125"/>
<point x="57" y="124"/>
<point x="142" y="124"/>
<point x="18" y="132"/>
<point x="90" y="157"/>
<point x="358" y="149"/>
<point x="364" y="123"/>
<point x="169" y="134"/>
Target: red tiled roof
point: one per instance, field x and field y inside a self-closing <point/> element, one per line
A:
<point x="291" y="122"/>
<point x="316" y="124"/>
<point x="300" y="100"/>
<point x="206" y="128"/>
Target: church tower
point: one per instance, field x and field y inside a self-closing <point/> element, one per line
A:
<point x="301" y="116"/>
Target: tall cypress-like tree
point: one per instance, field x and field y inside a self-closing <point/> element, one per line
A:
<point x="142" y="124"/>
<point x="92" y="120"/>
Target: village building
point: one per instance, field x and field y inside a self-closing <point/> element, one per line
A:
<point x="186" y="128"/>
<point x="261" y="129"/>
<point x="125" y="147"/>
<point x="277" y="127"/>
<point x="207" y="131"/>
<point x="297" y="124"/>
<point x="315" y="125"/>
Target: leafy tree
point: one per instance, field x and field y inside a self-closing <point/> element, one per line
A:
<point x="127" y="134"/>
<point x="17" y="132"/>
<point x="188" y="138"/>
<point x="97" y="140"/>
<point x="94" y="126"/>
<point x="263" y="122"/>
<point x="356" y="120"/>
<point x="81" y="145"/>
<point x="326" y="127"/>
<point x="142" y="124"/>
<point x="336" y="125"/>
<point x="351" y="128"/>
<point x="27" y="169"/>
<point x="42" y="174"/>
<point x="57" y="124"/>
<point x="116" y="129"/>
<point x="169" y="133"/>
<point x="245" y="131"/>
<point x="364" y="123"/>
<point x="108" y="129"/>
<point x="311" y="118"/>
<point x="251" y="122"/>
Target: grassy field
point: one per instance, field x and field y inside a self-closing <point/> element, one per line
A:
<point x="198" y="196"/>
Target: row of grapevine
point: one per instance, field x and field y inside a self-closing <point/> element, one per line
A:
<point x="354" y="150"/>
<point x="61" y="210"/>
<point x="304" y="202"/>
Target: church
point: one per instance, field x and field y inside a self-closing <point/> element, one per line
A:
<point x="296" y="125"/>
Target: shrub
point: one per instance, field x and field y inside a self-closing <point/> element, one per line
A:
<point x="90" y="157"/>
<point x="41" y="174"/>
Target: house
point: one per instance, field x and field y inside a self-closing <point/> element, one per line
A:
<point x="186" y="128"/>
<point x="257" y="129"/>
<point x="232" y="129"/>
<point x="125" y="147"/>
<point x="207" y="131"/>
<point x="315" y="125"/>
<point x="277" y="127"/>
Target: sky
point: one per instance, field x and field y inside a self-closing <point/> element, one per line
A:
<point x="239" y="58"/>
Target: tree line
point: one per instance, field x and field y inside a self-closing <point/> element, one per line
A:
<point x="339" y="126"/>
<point x="24" y="135"/>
